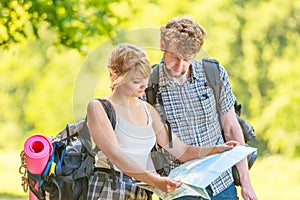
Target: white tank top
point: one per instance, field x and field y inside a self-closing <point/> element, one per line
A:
<point x="135" y="141"/>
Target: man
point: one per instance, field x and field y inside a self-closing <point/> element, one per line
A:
<point x="190" y="104"/>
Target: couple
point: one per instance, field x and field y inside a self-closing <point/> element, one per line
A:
<point x="195" y="126"/>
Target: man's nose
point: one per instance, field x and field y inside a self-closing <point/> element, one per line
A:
<point x="179" y="62"/>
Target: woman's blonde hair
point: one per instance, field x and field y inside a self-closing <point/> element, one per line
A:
<point x="126" y="57"/>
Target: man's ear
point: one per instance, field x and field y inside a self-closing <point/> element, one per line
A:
<point x="162" y="45"/>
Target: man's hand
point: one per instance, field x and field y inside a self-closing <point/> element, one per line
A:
<point x="248" y="192"/>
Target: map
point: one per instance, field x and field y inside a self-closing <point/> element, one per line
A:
<point x="197" y="174"/>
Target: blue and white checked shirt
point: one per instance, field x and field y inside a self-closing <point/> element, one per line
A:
<point x="191" y="111"/>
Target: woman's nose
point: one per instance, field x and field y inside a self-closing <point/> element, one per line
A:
<point x="144" y="86"/>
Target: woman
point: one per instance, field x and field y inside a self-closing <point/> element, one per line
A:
<point x="138" y="124"/>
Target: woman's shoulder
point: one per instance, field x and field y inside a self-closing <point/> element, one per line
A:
<point x="96" y="104"/>
<point x="146" y="104"/>
<point x="151" y="110"/>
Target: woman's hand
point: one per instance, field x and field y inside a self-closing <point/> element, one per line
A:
<point x="232" y="143"/>
<point x="226" y="146"/>
<point x="167" y="184"/>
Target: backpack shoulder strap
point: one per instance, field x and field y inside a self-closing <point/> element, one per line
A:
<point x="152" y="93"/>
<point x="110" y="111"/>
<point x="212" y="71"/>
<point x="111" y="114"/>
<point x="153" y="85"/>
<point x="84" y="133"/>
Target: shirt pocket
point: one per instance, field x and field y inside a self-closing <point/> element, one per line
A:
<point x="207" y="102"/>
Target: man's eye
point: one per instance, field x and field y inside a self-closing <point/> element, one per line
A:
<point x="175" y="57"/>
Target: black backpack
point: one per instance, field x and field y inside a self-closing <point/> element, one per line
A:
<point x="212" y="72"/>
<point x="74" y="158"/>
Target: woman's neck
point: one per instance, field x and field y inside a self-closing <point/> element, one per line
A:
<point x="122" y="100"/>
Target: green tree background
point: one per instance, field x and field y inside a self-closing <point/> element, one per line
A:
<point x="47" y="44"/>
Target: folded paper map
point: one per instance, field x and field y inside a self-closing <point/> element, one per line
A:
<point x="196" y="175"/>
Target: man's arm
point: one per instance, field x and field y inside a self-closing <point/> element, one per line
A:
<point x="233" y="131"/>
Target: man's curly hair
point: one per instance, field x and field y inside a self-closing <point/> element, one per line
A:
<point x="182" y="36"/>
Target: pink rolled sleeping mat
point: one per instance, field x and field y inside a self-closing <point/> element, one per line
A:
<point x="37" y="149"/>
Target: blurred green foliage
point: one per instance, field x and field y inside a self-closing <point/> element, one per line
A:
<point x="73" y="22"/>
<point x="257" y="41"/>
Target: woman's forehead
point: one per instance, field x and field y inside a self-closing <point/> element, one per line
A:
<point x="134" y="73"/>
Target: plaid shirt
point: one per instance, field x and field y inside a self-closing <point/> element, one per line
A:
<point x="191" y="111"/>
<point x="101" y="186"/>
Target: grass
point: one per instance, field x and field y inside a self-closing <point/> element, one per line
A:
<point x="276" y="178"/>
<point x="273" y="177"/>
<point x="10" y="179"/>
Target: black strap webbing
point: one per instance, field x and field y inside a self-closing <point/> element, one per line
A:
<point x="212" y="72"/>
<point x="152" y="92"/>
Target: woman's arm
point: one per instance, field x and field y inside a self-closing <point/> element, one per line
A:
<point x="104" y="137"/>
<point x="180" y="150"/>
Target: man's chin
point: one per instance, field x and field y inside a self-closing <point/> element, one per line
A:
<point x="177" y="75"/>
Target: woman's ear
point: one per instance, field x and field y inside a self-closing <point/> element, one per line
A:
<point x="112" y="74"/>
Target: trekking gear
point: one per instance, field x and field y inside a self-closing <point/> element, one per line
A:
<point x="67" y="173"/>
<point x="212" y="72"/>
<point x="152" y="93"/>
<point x="159" y="159"/>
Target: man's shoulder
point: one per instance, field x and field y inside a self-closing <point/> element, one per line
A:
<point x="157" y="75"/>
<point x="221" y="68"/>
<point x="155" y="68"/>
<point x="197" y="62"/>
<point x="197" y="69"/>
